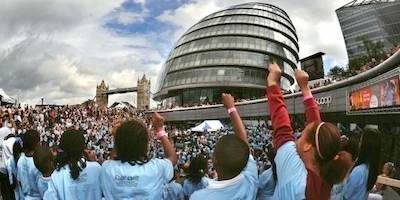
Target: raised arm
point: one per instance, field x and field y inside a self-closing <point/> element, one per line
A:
<point x="282" y="129"/>
<point x="311" y="108"/>
<point x="170" y="153"/>
<point x="238" y="126"/>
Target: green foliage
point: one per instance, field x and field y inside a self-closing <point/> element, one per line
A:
<point x="373" y="51"/>
<point x="337" y="72"/>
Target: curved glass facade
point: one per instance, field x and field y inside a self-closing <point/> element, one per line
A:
<point x="378" y="21"/>
<point x="228" y="51"/>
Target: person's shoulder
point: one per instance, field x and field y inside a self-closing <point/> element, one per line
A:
<point x="200" y="194"/>
<point x="160" y="162"/>
<point x="111" y="163"/>
<point x="93" y="164"/>
<point x="21" y="159"/>
<point x="360" y="168"/>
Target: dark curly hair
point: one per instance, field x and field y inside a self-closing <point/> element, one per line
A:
<point x="30" y="140"/>
<point x="131" y="142"/>
<point x="72" y="144"/>
<point x="197" y="168"/>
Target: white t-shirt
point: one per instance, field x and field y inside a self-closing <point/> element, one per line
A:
<point x="27" y="175"/>
<point x="4" y="131"/>
<point x="125" y="181"/>
<point x="63" y="187"/>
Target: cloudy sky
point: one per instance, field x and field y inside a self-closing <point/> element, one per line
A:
<point x="61" y="50"/>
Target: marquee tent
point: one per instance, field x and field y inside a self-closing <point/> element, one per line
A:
<point x="208" y="126"/>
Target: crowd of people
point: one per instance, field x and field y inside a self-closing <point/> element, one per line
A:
<point x="84" y="152"/>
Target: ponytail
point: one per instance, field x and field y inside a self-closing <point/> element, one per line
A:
<point x="333" y="163"/>
<point x="72" y="144"/>
<point x="76" y="168"/>
<point x="76" y="165"/>
<point x="336" y="169"/>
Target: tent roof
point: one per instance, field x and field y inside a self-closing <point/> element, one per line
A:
<point x="5" y="97"/>
<point x="208" y="125"/>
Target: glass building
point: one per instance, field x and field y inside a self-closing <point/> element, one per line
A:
<point x="378" y="20"/>
<point x="228" y="51"/>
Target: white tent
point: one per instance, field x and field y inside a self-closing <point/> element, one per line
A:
<point x="5" y="97"/>
<point x="209" y="126"/>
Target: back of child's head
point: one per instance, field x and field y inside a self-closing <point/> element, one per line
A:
<point x="43" y="160"/>
<point x="333" y="162"/>
<point x="231" y="155"/>
<point x="131" y="142"/>
<point x="197" y="169"/>
<point x="30" y="140"/>
<point x="72" y="144"/>
<point x="350" y="145"/>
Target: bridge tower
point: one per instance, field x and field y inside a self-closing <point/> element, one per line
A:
<point x="101" y="94"/>
<point x="143" y="93"/>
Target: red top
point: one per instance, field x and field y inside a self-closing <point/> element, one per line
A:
<point x="316" y="187"/>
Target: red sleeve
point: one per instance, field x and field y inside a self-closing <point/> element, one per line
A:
<point x="311" y="110"/>
<point x="282" y="130"/>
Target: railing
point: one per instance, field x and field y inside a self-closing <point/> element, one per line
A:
<point x="389" y="181"/>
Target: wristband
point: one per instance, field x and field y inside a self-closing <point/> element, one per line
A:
<point x="310" y="96"/>
<point x="161" y="134"/>
<point x="231" y="110"/>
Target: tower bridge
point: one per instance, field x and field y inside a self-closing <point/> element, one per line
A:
<point x="142" y="89"/>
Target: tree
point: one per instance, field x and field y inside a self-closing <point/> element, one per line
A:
<point x="337" y="72"/>
<point x="373" y="51"/>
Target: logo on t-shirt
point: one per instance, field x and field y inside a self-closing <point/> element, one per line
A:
<point x="126" y="181"/>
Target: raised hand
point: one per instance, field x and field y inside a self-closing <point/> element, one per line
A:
<point x="301" y="78"/>
<point x="274" y="75"/>
<point x="158" y="121"/>
<point x="228" y="100"/>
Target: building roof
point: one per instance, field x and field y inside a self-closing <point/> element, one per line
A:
<point x="316" y="55"/>
<point x="365" y="2"/>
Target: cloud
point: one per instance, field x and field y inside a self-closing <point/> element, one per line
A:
<point x="61" y="50"/>
<point x="127" y="18"/>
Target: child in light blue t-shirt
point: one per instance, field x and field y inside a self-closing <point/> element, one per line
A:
<point x="173" y="190"/>
<point x="196" y="179"/>
<point x="75" y="178"/>
<point x="27" y="173"/>
<point x="133" y="175"/>
<point x="266" y="186"/>
<point x="235" y="166"/>
<point x="44" y="162"/>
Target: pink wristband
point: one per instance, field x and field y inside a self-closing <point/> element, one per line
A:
<point x="231" y="110"/>
<point x="161" y="134"/>
<point x="305" y="98"/>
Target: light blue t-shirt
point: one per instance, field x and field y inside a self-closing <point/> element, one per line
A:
<point x="356" y="185"/>
<point x="27" y="175"/>
<point x="42" y="184"/>
<point x="338" y="191"/>
<point x="266" y="185"/>
<point x="125" y="181"/>
<point x="172" y="191"/>
<point x="291" y="173"/>
<point x="243" y="186"/>
<point x="87" y="186"/>
<point x="12" y="175"/>
<point x="189" y="187"/>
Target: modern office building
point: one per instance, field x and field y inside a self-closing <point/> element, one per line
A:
<point x="228" y="51"/>
<point x="378" y="20"/>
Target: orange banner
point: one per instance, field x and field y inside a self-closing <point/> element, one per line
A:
<point x="383" y="94"/>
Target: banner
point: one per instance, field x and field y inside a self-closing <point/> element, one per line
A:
<point x="386" y="93"/>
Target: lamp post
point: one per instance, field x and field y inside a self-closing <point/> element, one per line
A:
<point x="42" y="100"/>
